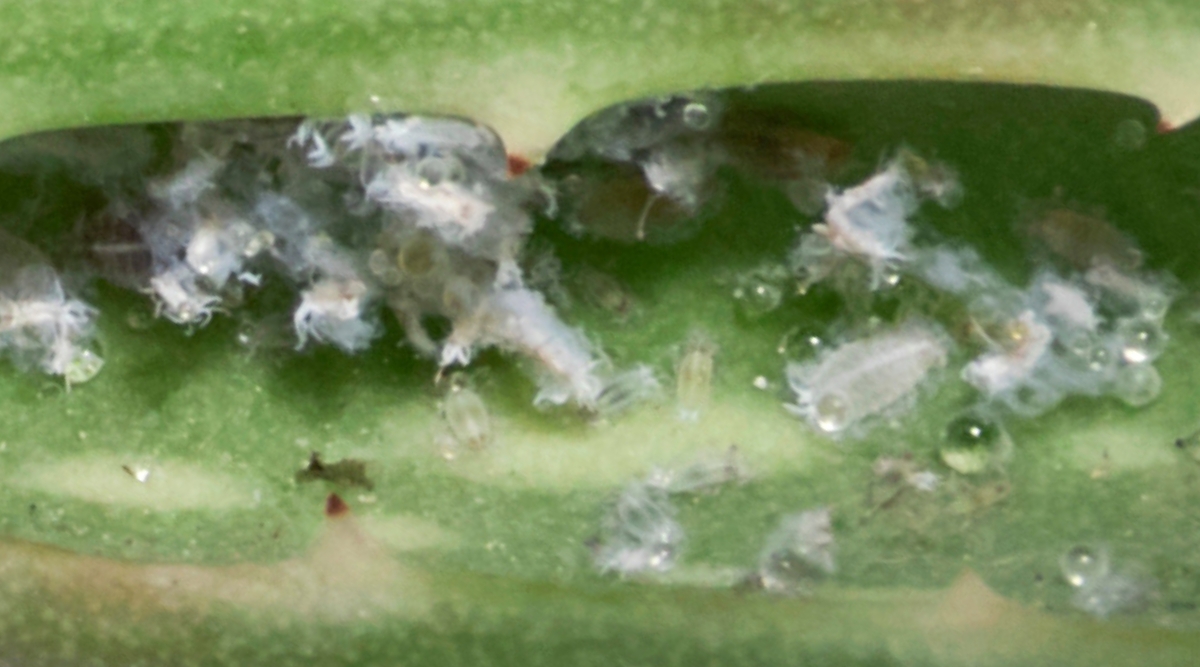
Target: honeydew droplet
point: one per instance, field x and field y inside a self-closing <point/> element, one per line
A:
<point x="832" y="413"/>
<point x="420" y="256"/>
<point x="697" y="116"/>
<point x="1079" y="347"/>
<point x="1099" y="360"/>
<point x="383" y="267"/>
<point x="1155" y="306"/>
<point x="1137" y="384"/>
<point x="83" y="367"/>
<point x="969" y="442"/>
<point x="801" y="343"/>
<point x="756" y="298"/>
<point x="1083" y="565"/>
<point x="1142" y="340"/>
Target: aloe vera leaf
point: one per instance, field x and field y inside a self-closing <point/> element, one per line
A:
<point x="519" y="580"/>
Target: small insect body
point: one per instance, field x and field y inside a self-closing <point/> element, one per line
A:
<point x="520" y="321"/>
<point x="693" y="377"/>
<point x="40" y="325"/>
<point x="1015" y="358"/>
<point x="868" y="222"/>
<point x="626" y="390"/>
<point x="703" y="475"/>
<point x="1083" y="241"/>
<point x="640" y="534"/>
<point x="800" y="551"/>
<point x="604" y="292"/>
<point x="115" y="249"/>
<point x="865" y="377"/>
<point x="331" y="310"/>
<point x="467" y="416"/>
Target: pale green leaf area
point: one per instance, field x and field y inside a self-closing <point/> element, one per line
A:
<point x="152" y="515"/>
<point x="531" y="69"/>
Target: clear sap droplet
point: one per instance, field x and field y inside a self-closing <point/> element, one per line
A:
<point x="755" y="298"/>
<point x="383" y="268"/>
<point x="801" y="343"/>
<point x="832" y="413"/>
<point x="972" y="431"/>
<point x="1137" y="384"/>
<point x="421" y="256"/>
<point x="1079" y="347"/>
<point x="697" y="116"/>
<point x="1141" y="340"/>
<point x="1155" y="306"/>
<point x="969" y="443"/>
<point x="1083" y="565"/>
<point x="1130" y="135"/>
<point x="1100" y="359"/>
<point x="85" y="366"/>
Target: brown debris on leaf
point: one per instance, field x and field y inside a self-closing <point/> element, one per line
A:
<point x="346" y="472"/>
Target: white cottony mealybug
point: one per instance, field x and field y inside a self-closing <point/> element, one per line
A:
<point x="865" y="377"/>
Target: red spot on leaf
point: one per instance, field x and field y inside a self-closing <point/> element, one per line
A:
<point x="517" y="165"/>
<point x="335" y="506"/>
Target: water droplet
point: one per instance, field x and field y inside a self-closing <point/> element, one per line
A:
<point x="697" y="116"/>
<point x="1078" y="346"/>
<point x="1084" y="565"/>
<point x="1137" y="384"/>
<point x="378" y="262"/>
<point x="972" y="430"/>
<point x="1130" y="135"/>
<point x="755" y="298"/>
<point x="1141" y="340"/>
<point x="832" y="413"/>
<point x="83" y="367"/>
<point x="384" y="268"/>
<point x="800" y="343"/>
<point x="421" y="256"/>
<point x="1155" y="305"/>
<point x="1100" y="359"/>
<point x="969" y="443"/>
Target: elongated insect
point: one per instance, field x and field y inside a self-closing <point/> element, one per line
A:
<point x="693" y="377"/>
<point x="467" y="416"/>
<point x="1083" y="241"/>
<point x="865" y="377"/>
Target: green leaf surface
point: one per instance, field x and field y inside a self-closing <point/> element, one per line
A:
<point x="219" y="555"/>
